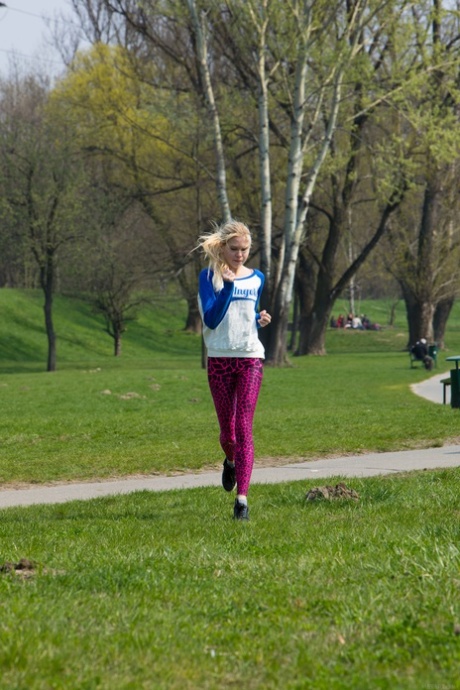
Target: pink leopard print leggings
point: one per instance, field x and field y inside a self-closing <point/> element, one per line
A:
<point x="235" y="384"/>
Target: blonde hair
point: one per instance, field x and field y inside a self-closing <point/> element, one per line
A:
<point x="213" y="243"/>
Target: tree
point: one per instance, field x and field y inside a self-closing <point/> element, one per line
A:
<point x="41" y="185"/>
<point x="426" y="252"/>
<point x="425" y="239"/>
<point x="306" y="86"/>
<point x="153" y="145"/>
<point x="309" y="86"/>
<point x="113" y="265"/>
<point x="113" y="296"/>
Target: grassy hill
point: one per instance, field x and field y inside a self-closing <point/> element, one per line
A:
<point x="156" y="335"/>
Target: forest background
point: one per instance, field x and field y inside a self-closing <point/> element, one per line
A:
<point x="331" y="128"/>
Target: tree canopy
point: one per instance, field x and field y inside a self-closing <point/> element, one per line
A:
<point x="331" y="128"/>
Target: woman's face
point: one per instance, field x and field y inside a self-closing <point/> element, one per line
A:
<point x="235" y="253"/>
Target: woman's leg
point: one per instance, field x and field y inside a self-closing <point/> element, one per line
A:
<point x="222" y="383"/>
<point x="235" y="384"/>
<point x="249" y="380"/>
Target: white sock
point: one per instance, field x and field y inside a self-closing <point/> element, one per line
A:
<point x="242" y="499"/>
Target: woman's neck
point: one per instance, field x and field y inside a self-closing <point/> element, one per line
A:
<point x="243" y="272"/>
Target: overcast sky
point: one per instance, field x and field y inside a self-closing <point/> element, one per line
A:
<point x="24" y="33"/>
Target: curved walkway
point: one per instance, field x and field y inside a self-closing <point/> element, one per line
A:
<point x="431" y="389"/>
<point x="367" y="465"/>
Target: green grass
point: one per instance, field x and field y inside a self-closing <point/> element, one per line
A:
<point x="78" y="424"/>
<point x="150" y="410"/>
<point x="155" y="336"/>
<point x="165" y="591"/>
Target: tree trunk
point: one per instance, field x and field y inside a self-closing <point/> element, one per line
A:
<point x="419" y="317"/>
<point x="193" y="322"/>
<point x="312" y="337"/>
<point x="418" y="273"/>
<point x="315" y="314"/>
<point x="277" y="350"/>
<point x="277" y="345"/>
<point x="117" y="344"/>
<point x="47" y="283"/>
<point x="51" y="335"/>
<point x="440" y="318"/>
<point x="266" y="215"/>
<point x="208" y="93"/>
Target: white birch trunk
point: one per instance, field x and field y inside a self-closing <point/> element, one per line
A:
<point x="286" y="272"/>
<point x="296" y="214"/>
<point x="202" y="54"/>
<point x="265" y="175"/>
<point x="258" y="13"/>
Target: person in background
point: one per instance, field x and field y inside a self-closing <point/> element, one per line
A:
<point x="420" y="352"/>
<point x="228" y="299"/>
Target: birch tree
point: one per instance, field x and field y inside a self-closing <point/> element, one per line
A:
<point x="298" y="64"/>
<point x="307" y="84"/>
<point x="200" y="41"/>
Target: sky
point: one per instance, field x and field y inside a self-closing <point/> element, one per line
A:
<point x="24" y="33"/>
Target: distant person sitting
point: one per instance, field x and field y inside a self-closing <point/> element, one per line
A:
<point x="420" y="352"/>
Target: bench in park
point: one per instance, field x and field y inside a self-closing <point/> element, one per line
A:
<point x="445" y="383"/>
<point x="432" y="352"/>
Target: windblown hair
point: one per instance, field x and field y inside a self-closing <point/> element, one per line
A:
<point x="213" y="243"/>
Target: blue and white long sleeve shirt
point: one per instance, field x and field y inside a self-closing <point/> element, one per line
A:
<point x="230" y="316"/>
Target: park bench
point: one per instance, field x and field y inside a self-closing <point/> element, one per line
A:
<point x="445" y="382"/>
<point x="432" y="352"/>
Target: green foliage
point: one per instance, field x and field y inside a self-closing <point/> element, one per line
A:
<point x="115" y="113"/>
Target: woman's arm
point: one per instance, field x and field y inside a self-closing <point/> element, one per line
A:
<point x="214" y="305"/>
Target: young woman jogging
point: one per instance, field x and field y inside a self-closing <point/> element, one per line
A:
<point x="228" y="299"/>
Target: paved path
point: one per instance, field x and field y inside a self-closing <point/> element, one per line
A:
<point x="349" y="466"/>
<point x="431" y="389"/>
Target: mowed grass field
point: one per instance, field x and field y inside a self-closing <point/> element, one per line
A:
<point x="150" y="411"/>
<point x="165" y="591"/>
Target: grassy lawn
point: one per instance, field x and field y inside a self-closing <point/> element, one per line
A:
<point x="150" y="410"/>
<point x="164" y="590"/>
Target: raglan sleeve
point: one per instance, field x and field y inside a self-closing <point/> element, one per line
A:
<point x="259" y="295"/>
<point x="214" y="305"/>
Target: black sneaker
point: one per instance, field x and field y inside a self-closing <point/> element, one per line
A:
<point x="228" y="476"/>
<point x="240" y="511"/>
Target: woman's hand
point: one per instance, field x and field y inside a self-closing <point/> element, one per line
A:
<point x="228" y="275"/>
<point x="264" y="319"/>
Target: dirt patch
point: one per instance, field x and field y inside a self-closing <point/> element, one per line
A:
<point x="25" y="569"/>
<point x="329" y="493"/>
